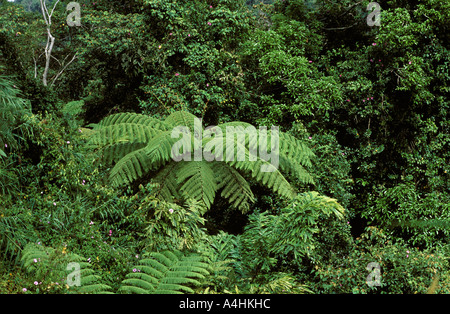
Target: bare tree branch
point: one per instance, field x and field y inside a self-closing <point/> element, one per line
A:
<point x="64" y="68"/>
<point x="340" y="28"/>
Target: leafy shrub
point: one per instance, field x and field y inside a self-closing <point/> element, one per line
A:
<point x="420" y="220"/>
<point x="229" y="272"/>
<point x="282" y="242"/>
<point x="172" y="226"/>
<point x="403" y="269"/>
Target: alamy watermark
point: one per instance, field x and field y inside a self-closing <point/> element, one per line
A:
<point x="212" y="144"/>
<point x="74" y="17"/>
<point x="74" y="278"/>
<point x="373" y="19"/>
<point x="374" y="278"/>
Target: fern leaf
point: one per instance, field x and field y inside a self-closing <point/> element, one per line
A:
<point x="292" y="153"/>
<point x="273" y="180"/>
<point x="165" y="272"/>
<point x="123" y="132"/>
<point x="235" y="188"/>
<point x="159" y="149"/>
<point x="95" y="288"/>
<point x="130" y="167"/>
<point x="182" y="118"/>
<point x="113" y="153"/>
<point x="133" y="118"/>
<point x="197" y="181"/>
<point x="120" y="139"/>
<point x="294" y="149"/>
<point x="295" y="169"/>
<point x="166" y="180"/>
<point x="246" y="133"/>
<point x="137" y="163"/>
<point x="132" y="286"/>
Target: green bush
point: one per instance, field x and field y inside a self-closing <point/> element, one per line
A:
<point x="403" y="269"/>
<point x="420" y="219"/>
<point x="288" y="241"/>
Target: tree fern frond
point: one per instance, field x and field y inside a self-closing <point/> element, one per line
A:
<point x="295" y="169"/>
<point x="273" y="179"/>
<point x="293" y="155"/>
<point x="182" y="118"/>
<point x="113" y="153"/>
<point x="166" y="272"/>
<point x="294" y="148"/>
<point x="130" y="167"/>
<point x="159" y="149"/>
<point x="133" y="118"/>
<point x="137" y="163"/>
<point x="118" y="140"/>
<point x="97" y="288"/>
<point x="235" y="188"/>
<point x="197" y="181"/>
<point x="133" y="286"/>
<point x="166" y="180"/>
<point x="123" y="132"/>
<point x="241" y="135"/>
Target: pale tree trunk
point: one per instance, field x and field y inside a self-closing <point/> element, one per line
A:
<point x="50" y="38"/>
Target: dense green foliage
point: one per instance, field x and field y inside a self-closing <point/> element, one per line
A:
<point x="88" y="173"/>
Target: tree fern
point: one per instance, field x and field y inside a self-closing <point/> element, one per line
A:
<point x="132" y="166"/>
<point x="166" y="273"/>
<point x="137" y="145"/>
